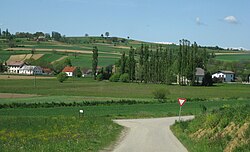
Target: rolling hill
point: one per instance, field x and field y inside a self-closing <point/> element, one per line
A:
<point x="79" y="50"/>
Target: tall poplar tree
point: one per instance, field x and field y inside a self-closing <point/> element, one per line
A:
<point x="141" y="66"/>
<point x="131" y="63"/>
<point x="123" y="63"/>
<point x="94" y="61"/>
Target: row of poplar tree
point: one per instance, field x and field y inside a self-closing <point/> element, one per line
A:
<point x="161" y="65"/>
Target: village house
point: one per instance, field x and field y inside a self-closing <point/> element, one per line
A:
<point x="14" y="67"/>
<point x="225" y="76"/>
<point x="31" y="70"/>
<point x="199" y="75"/>
<point x="70" y="71"/>
<point x="47" y="71"/>
<point x="86" y="72"/>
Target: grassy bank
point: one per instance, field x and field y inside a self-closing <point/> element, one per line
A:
<point x="225" y="129"/>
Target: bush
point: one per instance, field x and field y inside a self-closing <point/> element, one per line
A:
<point x="114" y="78"/>
<point x="124" y="78"/>
<point x="160" y="94"/>
<point x="78" y="72"/>
<point x="62" y="77"/>
<point x="99" y="77"/>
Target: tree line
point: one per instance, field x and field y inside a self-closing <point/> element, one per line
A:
<point x="163" y="65"/>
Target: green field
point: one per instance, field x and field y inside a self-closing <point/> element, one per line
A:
<point x="89" y="88"/>
<point x="108" y="53"/>
<point x="22" y="128"/>
<point x="41" y="133"/>
<point x="233" y="57"/>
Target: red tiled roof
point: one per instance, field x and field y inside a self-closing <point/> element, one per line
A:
<point x="69" y="69"/>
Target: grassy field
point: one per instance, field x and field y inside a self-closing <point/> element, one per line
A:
<point x="154" y="109"/>
<point x="41" y="133"/>
<point x="233" y="57"/>
<point x="90" y="88"/>
<point x="38" y="129"/>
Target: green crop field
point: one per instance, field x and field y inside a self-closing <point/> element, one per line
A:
<point x="233" y="57"/>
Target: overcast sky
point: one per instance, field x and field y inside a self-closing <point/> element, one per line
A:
<point x="225" y="23"/>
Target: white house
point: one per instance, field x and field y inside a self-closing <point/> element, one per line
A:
<point x="226" y="76"/>
<point x="70" y="71"/>
<point x="14" y="67"/>
<point x="31" y="70"/>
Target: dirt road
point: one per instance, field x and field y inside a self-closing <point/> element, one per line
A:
<point x="150" y="135"/>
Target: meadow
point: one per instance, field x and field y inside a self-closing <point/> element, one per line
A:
<point x="233" y="57"/>
<point x="41" y="133"/>
<point x="87" y="87"/>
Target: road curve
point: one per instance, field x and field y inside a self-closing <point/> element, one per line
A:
<point x="150" y="135"/>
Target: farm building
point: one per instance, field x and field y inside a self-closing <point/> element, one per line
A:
<point x="199" y="75"/>
<point x="86" y="72"/>
<point x="14" y="67"/>
<point x="47" y="71"/>
<point x="31" y="70"/>
<point x="70" y="71"/>
<point x="226" y="76"/>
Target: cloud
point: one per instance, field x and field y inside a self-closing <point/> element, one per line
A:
<point x="231" y="19"/>
<point x="198" y="21"/>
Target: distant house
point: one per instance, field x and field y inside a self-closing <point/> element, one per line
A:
<point x="14" y="67"/>
<point x="225" y="76"/>
<point x="31" y="70"/>
<point x="86" y="72"/>
<point x="70" y="71"/>
<point x="199" y="75"/>
<point x="47" y="71"/>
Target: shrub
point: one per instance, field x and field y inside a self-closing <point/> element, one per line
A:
<point x="114" y="78"/>
<point x="78" y="72"/>
<point x="160" y="94"/>
<point x="62" y="77"/>
<point x="99" y="77"/>
<point x="124" y="78"/>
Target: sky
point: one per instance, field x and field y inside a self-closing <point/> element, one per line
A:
<point x="224" y="23"/>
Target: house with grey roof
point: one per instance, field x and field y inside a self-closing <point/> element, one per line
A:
<point x="31" y="70"/>
<point x="199" y="75"/>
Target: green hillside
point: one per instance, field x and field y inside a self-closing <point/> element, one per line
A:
<point x="78" y="49"/>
